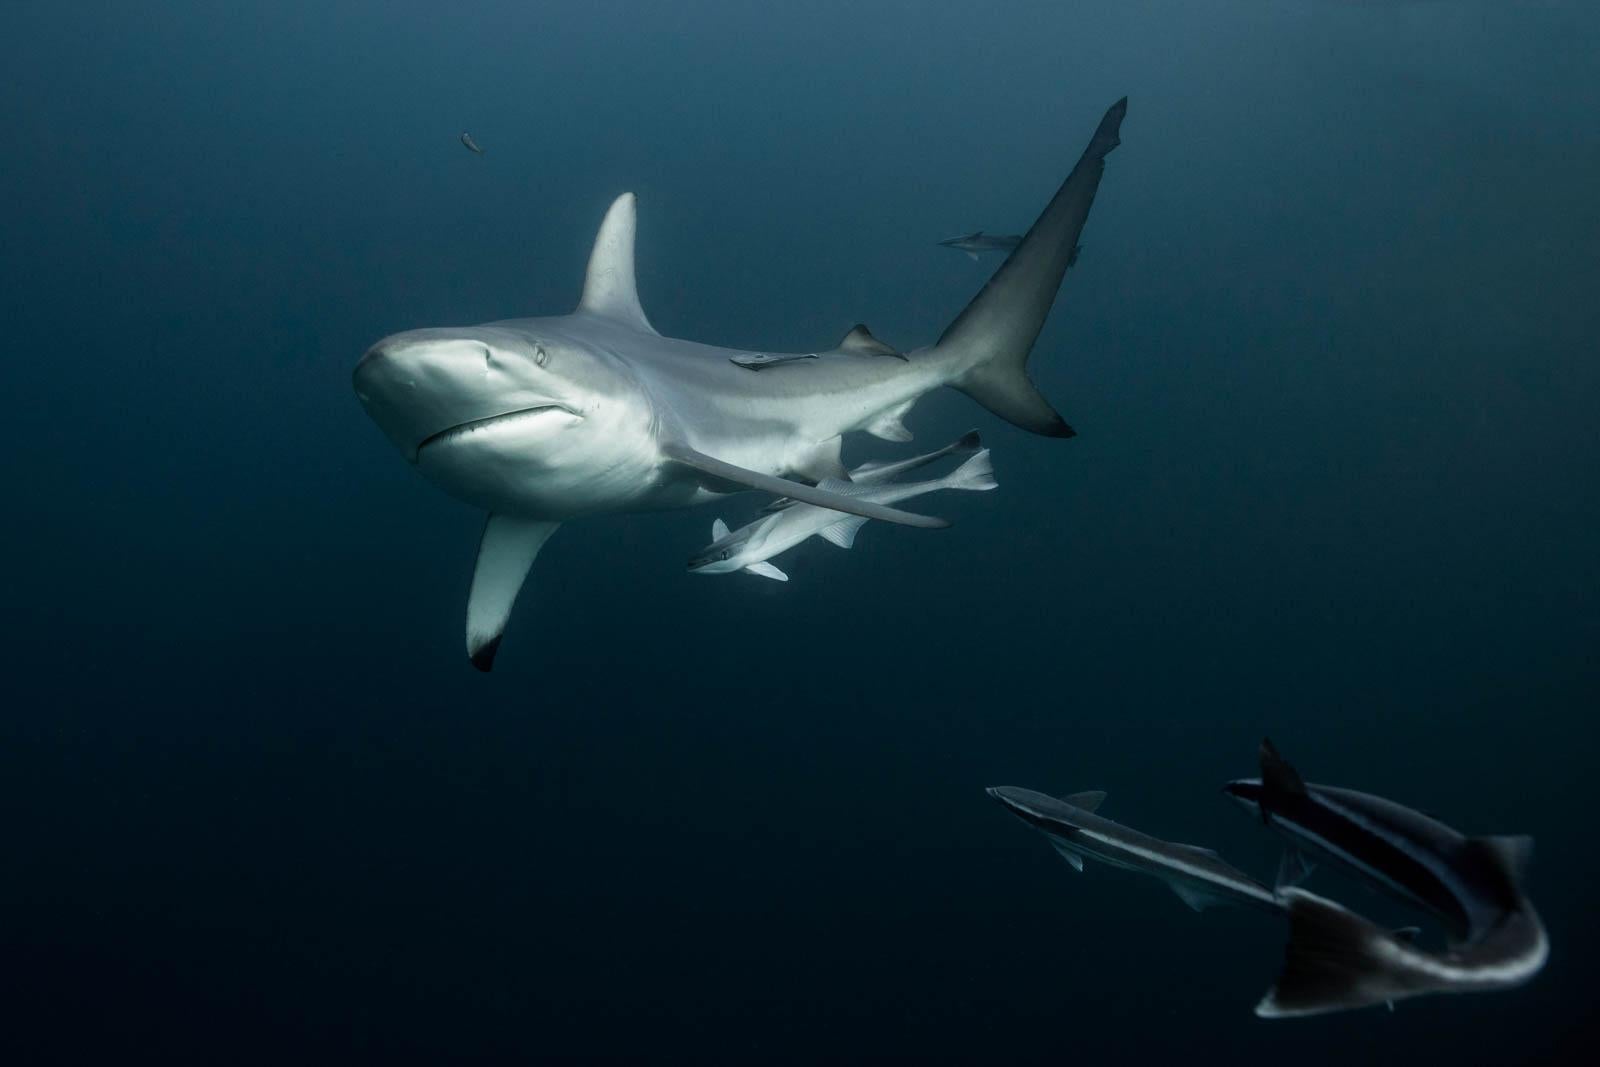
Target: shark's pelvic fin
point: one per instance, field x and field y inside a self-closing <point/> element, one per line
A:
<point x="609" y="287"/>
<point x="994" y="335"/>
<point x="767" y="570"/>
<point x="806" y="494"/>
<point x="861" y="342"/>
<point x="824" y="462"/>
<point x="505" y="553"/>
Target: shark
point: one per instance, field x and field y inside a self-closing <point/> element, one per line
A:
<point x="1198" y="876"/>
<point x="750" y="547"/>
<point x="978" y="241"/>
<point x="1336" y="960"/>
<point x="542" y="421"/>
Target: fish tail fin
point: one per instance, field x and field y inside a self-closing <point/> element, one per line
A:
<point x="989" y="342"/>
<point x="1336" y="960"/>
<point x="976" y="473"/>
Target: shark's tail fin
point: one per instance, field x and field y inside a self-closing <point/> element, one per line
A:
<point x="976" y="473"/>
<point x="1336" y="960"/>
<point x="991" y="339"/>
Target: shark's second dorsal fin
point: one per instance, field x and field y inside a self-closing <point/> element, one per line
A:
<point x="609" y="287"/>
<point x="860" y="341"/>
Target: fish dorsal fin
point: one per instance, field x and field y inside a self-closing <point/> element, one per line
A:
<point x="1088" y="800"/>
<point x="609" y="287"/>
<point x="719" y="529"/>
<point x="842" y="532"/>
<point x="861" y="342"/>
<point x="767" y="570"/>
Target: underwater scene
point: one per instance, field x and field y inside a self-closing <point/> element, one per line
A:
<point x="714" y="532"/>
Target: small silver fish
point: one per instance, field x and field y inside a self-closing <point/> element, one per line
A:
<point x="466" y="139"/>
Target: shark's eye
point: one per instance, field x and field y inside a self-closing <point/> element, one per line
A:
<point x="540" y="356"/>
<point x="724" y="554"/>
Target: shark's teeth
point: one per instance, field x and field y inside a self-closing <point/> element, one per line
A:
<point x="467" y="429"/>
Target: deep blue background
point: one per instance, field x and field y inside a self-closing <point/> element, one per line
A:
<point x="1330" y="349"/>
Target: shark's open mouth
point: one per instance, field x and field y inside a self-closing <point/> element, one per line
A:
<point x="467" y="429"/>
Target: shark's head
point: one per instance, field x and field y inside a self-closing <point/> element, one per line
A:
<point x="504" y="415"/>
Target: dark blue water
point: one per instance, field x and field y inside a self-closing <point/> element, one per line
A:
<point x="1330" y="349"/>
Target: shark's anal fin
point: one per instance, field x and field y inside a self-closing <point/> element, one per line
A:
<point x="767" y="570"/>
<point x="505" y="553"/>
<point x="888" y="426"/>
<point x="767" y="483"/>
<point x="609" y="288"/>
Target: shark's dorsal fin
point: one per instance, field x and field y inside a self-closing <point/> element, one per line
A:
<point x="609" y="287"/>
<point x="1279" y="779"/>
<point x="506" y="552"/>
<point x="1088" y="800"/>
<point x="859" y="341"/>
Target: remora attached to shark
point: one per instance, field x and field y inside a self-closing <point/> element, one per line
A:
<point x="750" y="547"/>
<point x="1197" y="875"/>
<point x="542" y="420"/>
<point x="1337" y="960"/>
<point x="978" y="241"/>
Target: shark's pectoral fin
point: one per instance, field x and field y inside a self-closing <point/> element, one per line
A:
<point x="767" y="570"/>
<point x="1067" y="854"/>
<point x="506" y="552"/>
<point x="806" y="494"/>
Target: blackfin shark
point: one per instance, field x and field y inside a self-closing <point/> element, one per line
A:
<point x="978" y="241"/>
<point x="1197" y="875"/>
<point x="750" y="547"/>
<point x="540" y="421"/>
<point x="1337" y="960"/>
